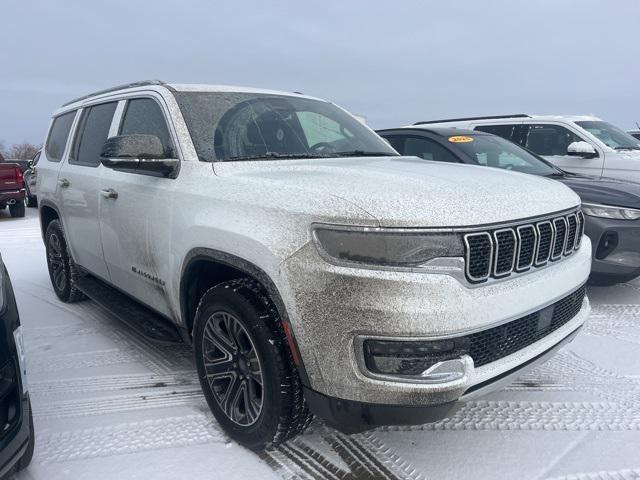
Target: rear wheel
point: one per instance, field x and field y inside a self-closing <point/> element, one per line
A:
<point x="62" y="269"/>
<point x="17" y="209"/>
<point x="245" y="366"/>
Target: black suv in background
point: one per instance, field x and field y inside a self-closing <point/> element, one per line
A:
<point x="611" y="207"/>
<point x="16" y="421"/>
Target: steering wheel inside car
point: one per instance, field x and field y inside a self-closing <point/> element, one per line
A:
<point x="322" y="147"/>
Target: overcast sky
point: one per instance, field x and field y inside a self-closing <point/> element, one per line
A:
<point x="394" y="62"/>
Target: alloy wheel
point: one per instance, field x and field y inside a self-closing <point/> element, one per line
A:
<point x="56" y="262"/>
<point x="233" y="368"/>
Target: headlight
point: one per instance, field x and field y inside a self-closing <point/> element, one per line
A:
<point x="392" y="248"/>
<point x="605" y="211"/>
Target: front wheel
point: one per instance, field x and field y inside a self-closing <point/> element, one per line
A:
<point x="245" y="366"/>
<point x="62" y="269"/>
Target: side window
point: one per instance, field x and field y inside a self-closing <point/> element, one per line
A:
<point x="427" y="149"/>
<point x="58" y="135"/>
<point x="549" y="139"/>
<point x="397" y="142"/>
<point x="504" y="131"/>
<point x="143" y="116"/>
<point x="93" y="131"/>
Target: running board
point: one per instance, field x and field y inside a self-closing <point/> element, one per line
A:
<point x="143" y="320"/>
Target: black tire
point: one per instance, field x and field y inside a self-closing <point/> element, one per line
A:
<point x="28" y="454"/>
<point x="32" y="201"/>
<point x="17" y="210"/>
<point x="63" y="271"/>
<point x="283" y="412"/>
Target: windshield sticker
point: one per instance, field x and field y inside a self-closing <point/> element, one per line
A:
<point x="460" y="139"/>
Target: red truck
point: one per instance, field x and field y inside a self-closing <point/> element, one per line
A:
<point x="12" y="191"/>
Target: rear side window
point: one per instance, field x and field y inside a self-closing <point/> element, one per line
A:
<point x="504" y="131"/>
<point x="143" y="116"/>
<point x="92" y="133"/>
<point x="58" y="136"/>
<point x="427" y="149"/>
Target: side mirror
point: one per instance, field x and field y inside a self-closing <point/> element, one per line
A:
<point x="581" y="149"/>
<point x="138" y="154"/>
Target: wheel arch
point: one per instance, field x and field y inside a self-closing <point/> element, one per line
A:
<point x="48" y="213"/>
<point x="216" y="267"/>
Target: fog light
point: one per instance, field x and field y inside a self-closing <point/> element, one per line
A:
<point x="608" y="243"/>
<point x="439" y="360"/>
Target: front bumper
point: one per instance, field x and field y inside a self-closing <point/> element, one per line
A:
<point x="622" y="263"/>
<point x="331" y="306"/>
<point x="352" y="417"/>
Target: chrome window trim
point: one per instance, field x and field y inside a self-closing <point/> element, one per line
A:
<point x="535" y="247"/>
<point x="497" y="252"/>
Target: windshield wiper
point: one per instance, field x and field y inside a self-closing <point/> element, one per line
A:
<point x="627" y="148"/>
<point x="276" y="156"/>
<point x="363" y="153"/>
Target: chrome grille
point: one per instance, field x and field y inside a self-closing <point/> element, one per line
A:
<point x="500" y="252"/>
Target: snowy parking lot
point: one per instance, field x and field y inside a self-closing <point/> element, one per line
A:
<point x="108" y="404"/>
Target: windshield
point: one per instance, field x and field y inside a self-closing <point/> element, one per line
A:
<point x="611" y="136"/>
<point x="232" y="126"/>
<point x="497" y="152"/>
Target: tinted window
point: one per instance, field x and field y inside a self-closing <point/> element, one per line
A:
<point x="427" y="149"/>
<point x="58" y="136"/>
<point x="92" y="133"/>
<point x="610" y="135"/>
<point x="494" y="151"/>
<point x="504" y="131"/>
<point x="234" y="126"/>
<point x="143" y="116"/>
<point x="549" y="139"/>
<point x="397" y="142"/>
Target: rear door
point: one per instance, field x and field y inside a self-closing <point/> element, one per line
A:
<point x="79" y="183"/>
<point x="136" y="217"/>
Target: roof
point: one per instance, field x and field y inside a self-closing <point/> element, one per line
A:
<point x="517" y="116"/>
<point x="183" y="87"/>
<point x="439" y="131"/>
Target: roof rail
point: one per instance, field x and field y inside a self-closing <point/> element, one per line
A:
<point x="515" y="115"/>
<point x="141" y="83"/>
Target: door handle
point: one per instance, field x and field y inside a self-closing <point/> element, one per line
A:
<point x="109" y="193"/>
<point x="64" y="183"/>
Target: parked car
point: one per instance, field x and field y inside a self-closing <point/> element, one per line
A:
<point x="16" y="421"/>
<point x="12" y="192"/>
<point x="312" y="268"/>
<point x="30" y="177"/>
<point x="23" y="164"/>
<point x="611" y="207"/>
<point x="578" y="144"/>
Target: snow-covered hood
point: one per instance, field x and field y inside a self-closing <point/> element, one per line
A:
<point x="411" y="192"/>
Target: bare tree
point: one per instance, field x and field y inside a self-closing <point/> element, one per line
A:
<point x="2" y="150"/>
<point x="21" y="151"/>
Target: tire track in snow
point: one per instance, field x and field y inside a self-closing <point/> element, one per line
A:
<point x="109" y="383"/>
<point x="54" y="363"/>
<point x="127" y="438"/>
<point x="625" y="474"/>
<point x="333" y="457"/>
<point x="507" y="415"/>
<point x="117" y="404"/>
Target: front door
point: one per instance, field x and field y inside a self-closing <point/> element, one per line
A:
<point x="135" y="214"/>
<point x="552" y="141"/>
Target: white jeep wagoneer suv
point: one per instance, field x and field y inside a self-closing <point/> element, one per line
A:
<point x="312" y="268"/>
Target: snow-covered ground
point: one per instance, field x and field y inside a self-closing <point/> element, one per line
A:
<point x="108" y="404"/>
